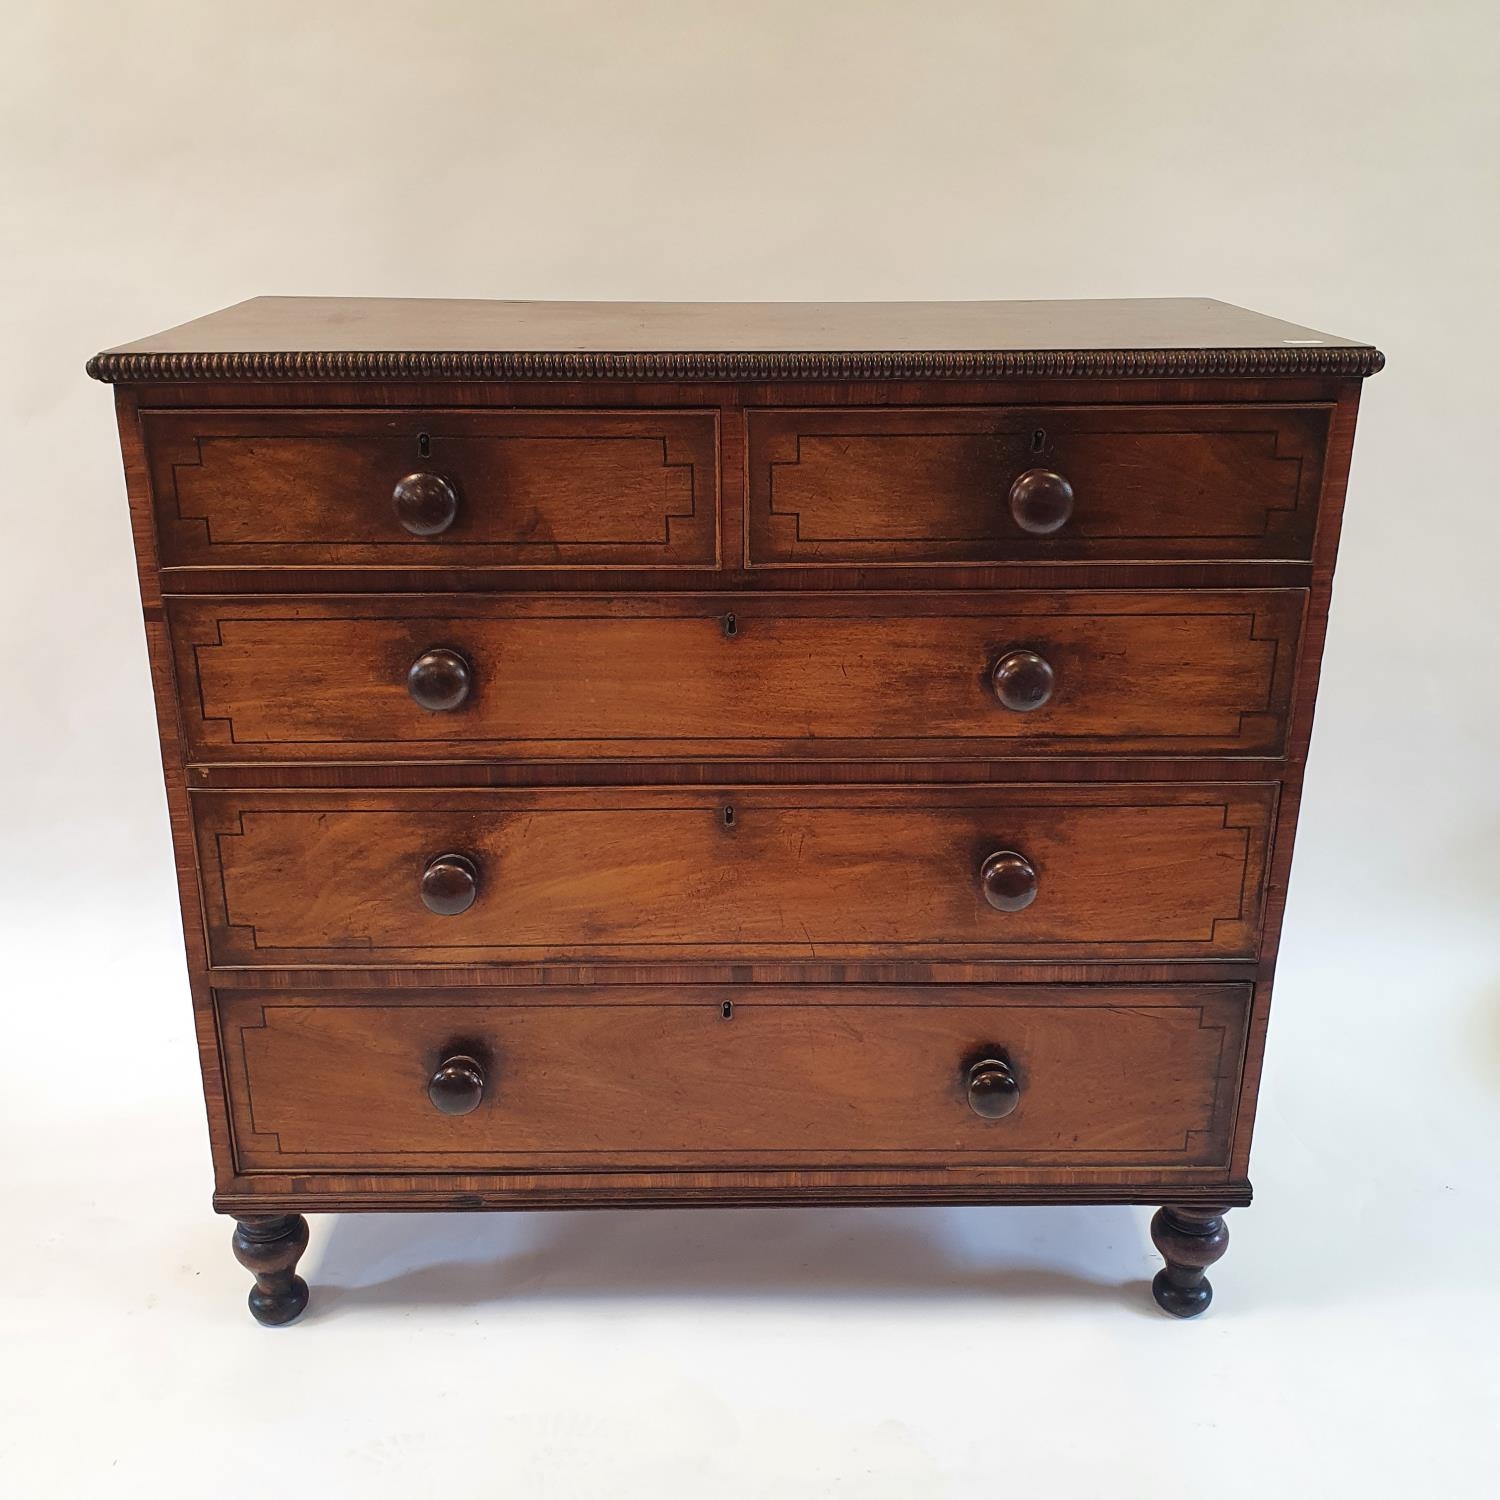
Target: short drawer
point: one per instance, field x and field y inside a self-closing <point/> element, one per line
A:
<point x="873" y="676"/>
<point x="983" y="484"/>
<point x="556" y="1079"/>
<point x="1113" y="871"/>
<point x="513" y="489"/>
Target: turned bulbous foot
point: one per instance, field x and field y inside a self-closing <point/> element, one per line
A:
<point x="269" y="1247"/>
<point x="1190" y="1241"/>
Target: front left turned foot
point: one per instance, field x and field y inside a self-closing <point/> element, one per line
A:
<point x="1190" y="1241"/>
<point x="270" y="1246"/>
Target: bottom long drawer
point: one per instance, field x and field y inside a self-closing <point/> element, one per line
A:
<point x="757" y="1076"/>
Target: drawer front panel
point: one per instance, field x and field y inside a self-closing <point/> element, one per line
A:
<point x="892" y="486"/>
<point x="1109" y="872"/>
<point x="505" y="489"/>
<point x="881" y="677"/>
<point x="566" y="1079"/>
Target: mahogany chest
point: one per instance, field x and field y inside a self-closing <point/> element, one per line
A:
<point x="691" y="754"/>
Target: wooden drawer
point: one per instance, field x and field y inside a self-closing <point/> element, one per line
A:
<point x="1122" y="871"/>
<point x="564" y="1079"/>
<point x="894" y="486"/>
<point x="529" y="489"/>
<point x="825" y="677"/>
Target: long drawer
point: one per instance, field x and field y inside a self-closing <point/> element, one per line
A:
<point x="557" y="1079"/>
<point x="1110" y="871"/>
<point x="423" y="488"/>
<point x="873" y="486"/>
<point x="880" y="676"/>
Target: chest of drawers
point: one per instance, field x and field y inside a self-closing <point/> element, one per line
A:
<point x="712" y="754"/>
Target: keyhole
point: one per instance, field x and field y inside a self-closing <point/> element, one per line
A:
<point x="731" y="625"/>
<point x="1039" y="440"/>
<point x="727" y="1010"/>
<point x="424" y="445"/>
<point x="729" y="817"/>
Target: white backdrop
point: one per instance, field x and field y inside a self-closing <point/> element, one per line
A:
<point x="1331" y="162"/>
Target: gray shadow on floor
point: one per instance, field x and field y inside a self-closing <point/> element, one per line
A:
<point x="470" y="1260"/>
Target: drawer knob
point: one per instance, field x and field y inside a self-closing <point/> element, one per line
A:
<point x="1008" y="880"/>
<point x="458" y="1085"/>
<point x="439" y="680"/>
<point x="425" y="503"/>
<point x="1041" y="501"/>
<point x="994" y="1090"/>
<point x="449" y="884"/>
<point x="1022" y="680"/>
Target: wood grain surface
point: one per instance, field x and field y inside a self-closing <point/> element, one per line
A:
<point x="899" y="486"/>
<point x="272" y="336"/>
<point x="710" y="678"/>
<point x="837" y="480"/>
<point x="1108" y="1078"/>
<point x="533" y="489"/>
<point x="1124" y="871"/>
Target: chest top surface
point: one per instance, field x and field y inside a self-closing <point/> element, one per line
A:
<point x="382" y="337"/>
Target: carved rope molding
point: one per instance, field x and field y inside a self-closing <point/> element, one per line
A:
<point x="1352" y="362"/>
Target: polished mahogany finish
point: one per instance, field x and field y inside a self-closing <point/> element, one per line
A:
<point x="1008" y="880"/>
<point x="724" y="754"/>
<point x="269" y="1246"/>
<point x="1118" y="1079"/>
<point x="443" y="339"/>
<point x="426" y="504"/>
<point x="1118" y="870"/>
<point x="994" y="1089"/>
<point x="1190" y="1239"/>
<point x="449" y="884"/>
<point x="1041" y="501"/>
<point x="458" y="1085"/>
<point x="529" y="489"/>
<point x="1023" y="680"/>
<point x="440" y="680"/>
<point x="721" y="676"/>
<point x="891" y="486"/>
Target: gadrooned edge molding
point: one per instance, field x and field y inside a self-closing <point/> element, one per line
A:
<point x="1345" y="361"/>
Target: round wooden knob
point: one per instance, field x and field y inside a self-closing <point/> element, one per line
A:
<point x="1022" y="680"/>
<point x="425" y="503"/>
<point x="458" y="1085"/>
<point x="439" y="680"/>
<point x="1008" y="880"/>
<point x="993" y="1089"/>
<point x="1041" y="501"/>
<point x="449" y="884"/>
